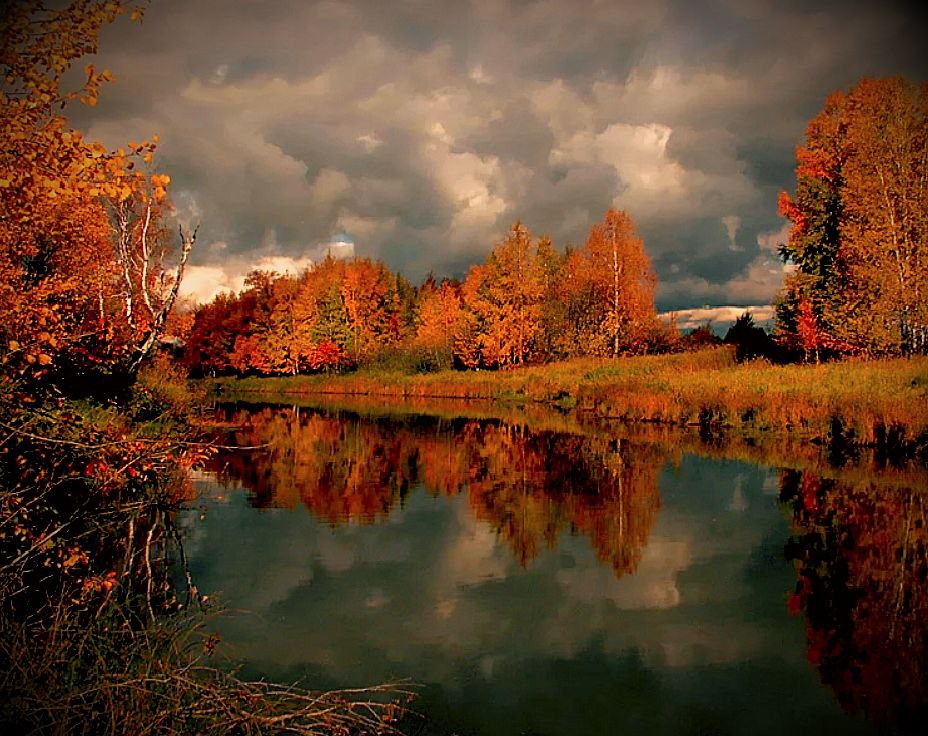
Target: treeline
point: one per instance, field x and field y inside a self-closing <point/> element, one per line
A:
<point x="525" y="303"/>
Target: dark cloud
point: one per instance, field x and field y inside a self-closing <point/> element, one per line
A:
<point x="423" y="129"/>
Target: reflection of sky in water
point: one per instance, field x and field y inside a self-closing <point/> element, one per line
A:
<point x="697" y="640"/>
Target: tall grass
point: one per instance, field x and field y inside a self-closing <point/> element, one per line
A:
<point x="96" y="635"/>
<point x="857" y="402"/>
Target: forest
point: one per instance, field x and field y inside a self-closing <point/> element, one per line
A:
<point x="526" y="303"/>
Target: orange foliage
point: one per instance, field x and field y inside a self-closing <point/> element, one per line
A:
<point x="860" y="220"/>
<point x="442" y="323"/>
<point x="525" y="303"/>
<point x="504" y="296"/>
<point x="611" y="279"/>
<point x="811" y="339"/>
<point x="81" y="244"/>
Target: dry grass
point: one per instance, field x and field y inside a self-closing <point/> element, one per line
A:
<point x="869" y="402"/>
<point x="106" y="679"/>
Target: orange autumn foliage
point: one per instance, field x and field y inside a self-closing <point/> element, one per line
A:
<point x="504" y="295"/>
<point x="611" y="282"/>
<point x="442" y="323"/>
<point x="83" y="284"/>
<point x="859" y="222"/>
<point x="525" y="303"/>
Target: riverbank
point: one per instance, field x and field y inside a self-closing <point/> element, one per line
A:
<point x="853" y="403"/>
<point x="102" y="628"/>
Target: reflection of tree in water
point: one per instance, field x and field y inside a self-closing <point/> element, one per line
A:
<point x="862" y="556"/>
<point x="529" y="486"/>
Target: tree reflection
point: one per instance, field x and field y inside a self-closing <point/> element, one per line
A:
<point x="861" y="552"/>
<point x="529" y="486"/>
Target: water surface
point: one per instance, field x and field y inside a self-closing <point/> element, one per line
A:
<point x="546" y="578"/>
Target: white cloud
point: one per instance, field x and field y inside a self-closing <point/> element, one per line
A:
<point x="687" y="319"/>
<point x="639" y="155"/>
<point x="369" y="141"/>
<point x="202" y="284"/>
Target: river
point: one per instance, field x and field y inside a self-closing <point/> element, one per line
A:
<point x="535" y="575"/>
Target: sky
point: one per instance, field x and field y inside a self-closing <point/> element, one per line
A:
<point x="417" y="132"/>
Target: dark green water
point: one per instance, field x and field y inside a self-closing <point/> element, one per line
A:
<point x="555" y="581"/>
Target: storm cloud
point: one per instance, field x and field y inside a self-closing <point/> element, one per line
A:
<point x="421" y="130"/>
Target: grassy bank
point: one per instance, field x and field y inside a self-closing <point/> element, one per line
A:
<point x="101" y="627"/>
<point x="871" y="403"/>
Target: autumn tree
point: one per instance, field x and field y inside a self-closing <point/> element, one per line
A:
<point x="250" y="322"/>
<point x="369" y="294"/>
<point x="550" y="342"/>
<point x="83" y="281"/>
<point x="284" y="324"/>
<point x="287" y="342"/>
<point x="148" y="285"/>
<point x="217" y="326"/>
<point x="441" y="322"/>
<point x="611" y="289"/>
<point x="525" y="302"/>
<point x="809" y="335"/>
<point x="859" y="219"/>
<point x="504" y="294"/>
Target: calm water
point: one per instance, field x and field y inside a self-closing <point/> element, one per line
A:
<point x="552" y="579"/>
